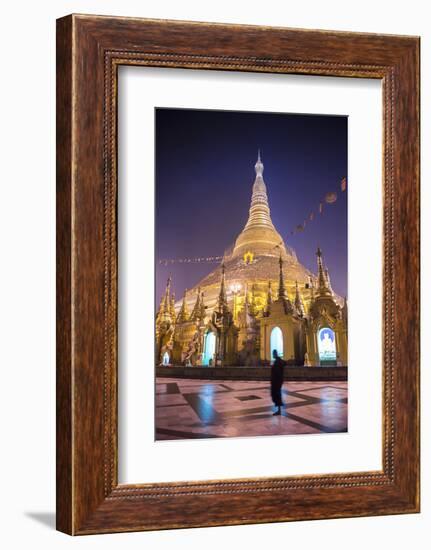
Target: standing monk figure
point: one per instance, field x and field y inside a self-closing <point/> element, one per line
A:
<point x="277" y="381"/>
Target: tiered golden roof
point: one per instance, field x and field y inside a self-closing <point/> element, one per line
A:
<point x="253" y="262"/>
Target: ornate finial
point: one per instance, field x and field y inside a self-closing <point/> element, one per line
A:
<point x="259" y="220"/>
<point x="320" y="272"/>
<point x="222" y="299"/>
<point x="167" y="298"/>
<point x="197" y="307"/>
<point x="282" y="294"/>
<point x="183" y="314"/>
<point x="168" y="284"/>
<point x="269" y="295"/>
<point x="165" y="312"/>
<point x="161" y="310"/>
<point x="269" y="300"/>
<point x="259" y="165"/>
<point x="172" y="310"/>
<point x="311" y="286"/>
<point x="298" y="302"/>
<point x="202" y="308"/>
<point x="328" y="279"/>
<point x="281" y="287"/>
<point x="323" y="286"/>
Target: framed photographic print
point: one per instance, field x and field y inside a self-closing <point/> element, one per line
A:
<point x="237" y="274"/>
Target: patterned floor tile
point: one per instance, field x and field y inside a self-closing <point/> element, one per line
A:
<point x="190" y="409"/>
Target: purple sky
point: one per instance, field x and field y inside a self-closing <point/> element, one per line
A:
<point x="204" y="176"/>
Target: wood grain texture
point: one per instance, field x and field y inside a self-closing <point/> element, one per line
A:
<point x="90" y="49"/>
<point x="64" y="496"/>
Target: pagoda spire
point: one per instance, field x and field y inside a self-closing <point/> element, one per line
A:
<point x="259" y="213"/>
<point x="323" y="284"/>
<point x="258" y="167"/>
<point x="172" y="306"/>
<point x="183" y="314"/>
<point x="165" y="311"/>
<point x="197" y="307"/>
<point x="222" y="298"/>
<point x="311" y="286"/>
<point x="320" y="271"/>
<point x="167" y="294"/>
<point x="298" y="302"/>
<point x="269" y="299"/>
<point x="161" y="310"/>
<point x="282" y="294"/>
<point x="281" y="287"/>
<point x="202" y="308"/>
<point x="328" y="279"/>
<point x="259" y="235"/>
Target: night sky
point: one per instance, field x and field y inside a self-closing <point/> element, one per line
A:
<point x="204" y="176"/>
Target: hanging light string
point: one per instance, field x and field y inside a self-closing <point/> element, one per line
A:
<point x="204" y="259"/>
<point x="330" y="198"/>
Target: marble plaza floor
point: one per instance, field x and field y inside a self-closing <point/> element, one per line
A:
<point x="194" y="409"/>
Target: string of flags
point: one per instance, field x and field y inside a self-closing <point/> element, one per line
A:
<point x="329" y="198"/>
<point x="207" y="259"/>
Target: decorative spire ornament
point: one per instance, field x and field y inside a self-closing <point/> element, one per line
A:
<point x="259" y="235"/>
<point x="259" y="214"/>
<point x="298" y="302"/>
<point x="281" y="287"/>
<point x="172" y="306"/>
<point x="161" y="310"/>
<point x="164" y="314"/>
<point x="328" y="279"/>
<point x="202" y="308"/>
<point x="323" y="287"/>
<point x="222" y="298"/>
<point x="269" y="298"/>
<point x="253" y="309"/>
<point x="282" y="294"/>
<point x="320" y="270"/>
<point x="197" y="307"/>
<point x="323" y="280"/>
<point x="183" y="314"/>
<point x="311" y="286"/>
<point x="167" y="304"/>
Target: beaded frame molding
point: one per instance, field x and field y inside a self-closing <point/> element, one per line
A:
<point x="89" y="51"/>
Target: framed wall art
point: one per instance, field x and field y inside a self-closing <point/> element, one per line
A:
<point x="237" y="274"/>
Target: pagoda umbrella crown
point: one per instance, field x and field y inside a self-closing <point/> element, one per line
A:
<point x="259" y="235"/>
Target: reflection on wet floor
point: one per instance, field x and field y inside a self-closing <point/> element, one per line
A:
<point x="190" y="409"/>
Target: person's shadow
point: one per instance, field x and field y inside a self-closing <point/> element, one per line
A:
<point x="45" y="518"/>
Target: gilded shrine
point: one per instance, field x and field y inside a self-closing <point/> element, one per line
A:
<point x="260" y="298"/>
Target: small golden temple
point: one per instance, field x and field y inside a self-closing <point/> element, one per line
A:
<point x="260" y="298"/>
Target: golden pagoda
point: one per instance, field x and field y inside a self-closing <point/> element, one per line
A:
<point x="252" y="263"/>
<point x="260" y="299"/>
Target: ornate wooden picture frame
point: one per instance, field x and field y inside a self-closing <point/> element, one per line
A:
<point x="89" y="51"/>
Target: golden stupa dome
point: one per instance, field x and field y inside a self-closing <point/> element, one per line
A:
<point x="253" y="261"/>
